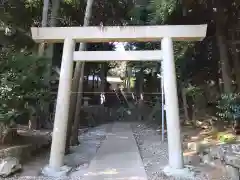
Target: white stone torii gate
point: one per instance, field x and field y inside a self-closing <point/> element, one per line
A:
<point x="70" y="35"/>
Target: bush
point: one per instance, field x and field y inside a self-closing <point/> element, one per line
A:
<point x="228" y="107"/>
<point x="194" y="92"/>
<point x="23" y="87"/>
<point x="193" y="95"/>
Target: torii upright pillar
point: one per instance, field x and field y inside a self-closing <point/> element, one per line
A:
<point x="56" y="166"/>
<point x="171" y="104"/>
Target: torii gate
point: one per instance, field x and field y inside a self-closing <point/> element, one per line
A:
<point x="69" y="35"/>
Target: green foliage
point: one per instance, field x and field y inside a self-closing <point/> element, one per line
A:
<point x="22" y="84"/>
<point x="229" y="106"/>
<point x="6" y="116"/>
<point x="194" y="92"/>
<point x="180" y="50"/>
<point x="161" y="10"/>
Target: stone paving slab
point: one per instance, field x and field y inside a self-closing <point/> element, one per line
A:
<point x="118" y="157"/>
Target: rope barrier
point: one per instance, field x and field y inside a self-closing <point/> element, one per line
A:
<point x="109" y="92"/>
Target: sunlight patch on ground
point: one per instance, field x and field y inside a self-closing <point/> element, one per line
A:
<point x="106" y="172"/>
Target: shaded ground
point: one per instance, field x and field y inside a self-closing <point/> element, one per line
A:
<point x="25" y="136"/>
<point x="79" y="158"/>
<point x="153" y="152"/>
<point x="155" y="155"/>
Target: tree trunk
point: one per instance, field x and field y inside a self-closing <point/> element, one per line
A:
<point x="93" y="82"/>
<point x="227" y="80"/>
<point x="140" y="101"/>
<point x="103" y="77"/>
<point x="49" y="54"/>
<point x="44" y="24"/>
<point x="236" y="66"/>
<point x="74" y="139"/>
<point x="129" y="74"/>
<point x="53" y="23"/>
<point x="185" y="105"/>
<point x="33" y="123"/>
<point x="77" y="79"/>
<point x="141" y="82"/>
<point x="236" y="61"/>
<point x="226" y="75"/>
<point x="97" y="82"/>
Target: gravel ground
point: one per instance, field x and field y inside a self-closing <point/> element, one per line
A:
<point x="154" y="154"/>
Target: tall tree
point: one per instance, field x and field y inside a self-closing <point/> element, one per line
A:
<point x="49" y="53"/>
<point x="76" y="96"/>
<point x="223" y="49"/>
<point x="44" y="23"/>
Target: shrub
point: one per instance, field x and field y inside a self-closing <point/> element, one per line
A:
<point x="22" y="85"/>
<point x="194" y="92"/>
<point x="228" y="107"/>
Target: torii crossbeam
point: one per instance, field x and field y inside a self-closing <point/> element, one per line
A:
<point x="69" y="35"/>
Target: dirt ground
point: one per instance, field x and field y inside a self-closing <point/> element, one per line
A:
<point x="78" y="159"/>
<point x="155" y="154"/>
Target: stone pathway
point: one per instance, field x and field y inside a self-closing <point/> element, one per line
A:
<point x="118" y="157"/>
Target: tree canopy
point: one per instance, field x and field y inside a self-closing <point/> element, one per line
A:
<point x="216" y="58"/>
